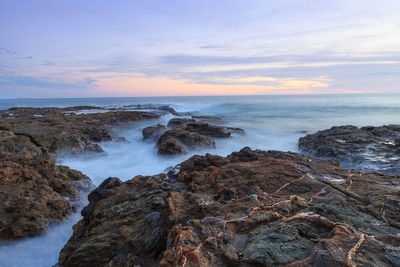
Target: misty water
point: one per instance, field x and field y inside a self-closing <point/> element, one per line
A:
<point x="270" y="122"/>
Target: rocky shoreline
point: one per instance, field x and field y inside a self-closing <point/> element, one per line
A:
<point x="250" y="208"/>
<point x="34" y="191"/>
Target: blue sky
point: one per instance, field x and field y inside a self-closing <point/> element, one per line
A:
<point x="139" y="48"/>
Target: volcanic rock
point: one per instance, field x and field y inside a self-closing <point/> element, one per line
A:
<point x="252" y="208"/>
<point x="366" y="148"/>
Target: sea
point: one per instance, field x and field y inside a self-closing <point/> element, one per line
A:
<point x="271" y="122"/>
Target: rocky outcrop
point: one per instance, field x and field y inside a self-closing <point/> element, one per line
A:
<point x="186" y="134"/>
<point x="208" y="119"/>
<point x="163" y="109"/>
<point x="252" y="208"/>
<point x="153" y="132"/>
<point x="179" y="122"/>
<point x="65" y="129"/>
<point x="33" y="190"/>
<point x="207" y="129"/>
<point x="179" y="141"/>
<point x="365" y="148"/>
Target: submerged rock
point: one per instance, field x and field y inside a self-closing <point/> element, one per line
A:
<point x="366" y="148"/>
<point x="252" y="208"/>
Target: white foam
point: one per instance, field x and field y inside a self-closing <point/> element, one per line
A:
<point x="40" y="251"/>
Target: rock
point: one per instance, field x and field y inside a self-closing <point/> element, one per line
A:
<point x="189" y="134"/>
<point x="164" y="108"/>
<point x="33" y="190"/>
<point x="179" y="140"/>
<point x="251" y="208"/>
<point x="179" y="122"/>
<point x="130" y="219"/>
<point x="153" y="132"/>
<point x="104" y="190"/>
<point x="368" y="148"/>
<point x="209" y="119"/>
<point x="65" y="130"/>
<point x="207" y="129"/>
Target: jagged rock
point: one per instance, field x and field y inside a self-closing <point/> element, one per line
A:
<point x="33" y="190"/>
<point x="179" y="140"/>
<point x="251" y="208"/>
<point x="104" y="190"/>
<point x="130" y="218"/>
<point x="366" y="148"/>
<point x="153" y="132"/>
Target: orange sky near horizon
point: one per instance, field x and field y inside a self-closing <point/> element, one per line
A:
<point x="164" y="86"/>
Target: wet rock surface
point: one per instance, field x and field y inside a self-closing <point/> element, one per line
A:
<point x="187" y="134"/>
<point x="179" y="141"/>
<point x="251" y="208"/>
<point x="66" y="129"/>
<point x="153" y="132"/>
<point x="366" y="148"/>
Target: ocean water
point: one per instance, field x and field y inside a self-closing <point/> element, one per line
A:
<point x="270" y="122"/>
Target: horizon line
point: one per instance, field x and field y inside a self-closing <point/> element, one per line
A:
<point x="180" y="96"/>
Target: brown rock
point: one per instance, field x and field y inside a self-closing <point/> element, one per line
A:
<point x="130" y="218"/>
<point x="252" y="208"/>
<point x="61" y="130"/>
<point x="33" y="190"/>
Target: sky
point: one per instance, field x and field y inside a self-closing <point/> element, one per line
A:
<point x="84" y="48"/>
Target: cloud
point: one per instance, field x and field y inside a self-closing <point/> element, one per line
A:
<point x="183" y="59"/>
<point x="275" y="82"/>
<point x="6" y="51"/>
<point x="47" y="63"/>
<point x="212" y="46"/>
<point x="40" y="82"/>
